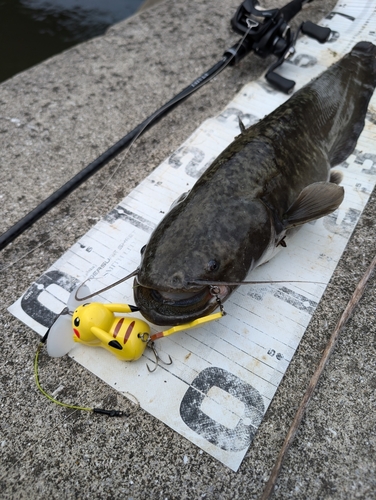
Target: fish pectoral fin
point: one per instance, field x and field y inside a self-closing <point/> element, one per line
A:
<point x="315" y="201"/>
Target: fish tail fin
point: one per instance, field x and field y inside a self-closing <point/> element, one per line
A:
<point x="362" y="64"/>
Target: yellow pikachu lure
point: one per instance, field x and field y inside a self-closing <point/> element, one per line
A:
<point x="95" y="324"/>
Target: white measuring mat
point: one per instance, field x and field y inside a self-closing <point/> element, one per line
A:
<point x="224" y="374"/>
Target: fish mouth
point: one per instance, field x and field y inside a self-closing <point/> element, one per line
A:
<point x="176" y="307"/>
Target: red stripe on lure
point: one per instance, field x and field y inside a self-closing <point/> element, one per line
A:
<point x="117" y="328"/>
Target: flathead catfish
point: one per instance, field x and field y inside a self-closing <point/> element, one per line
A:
<point x="272" y="178"/>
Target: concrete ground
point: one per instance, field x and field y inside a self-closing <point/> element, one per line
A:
<point x="56" y="118"/>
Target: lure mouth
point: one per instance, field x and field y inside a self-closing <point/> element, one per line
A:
<point x="177" y="307"/>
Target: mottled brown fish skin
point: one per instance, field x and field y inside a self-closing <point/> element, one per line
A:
<point x="236" y="211"/>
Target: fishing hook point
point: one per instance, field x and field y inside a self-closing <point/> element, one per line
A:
<point x="157" y="358"/>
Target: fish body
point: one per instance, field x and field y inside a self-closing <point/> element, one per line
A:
<point x="274" y="177"/>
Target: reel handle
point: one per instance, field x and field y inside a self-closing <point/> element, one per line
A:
<point x="319" y="33"/>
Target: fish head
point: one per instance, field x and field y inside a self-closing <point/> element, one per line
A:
<point x="167" y="288"/>
<point x="186" y="257"/>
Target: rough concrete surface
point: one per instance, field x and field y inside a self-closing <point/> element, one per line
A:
<point x="55" y="119"/>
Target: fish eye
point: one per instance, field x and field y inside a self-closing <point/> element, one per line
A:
<point x="76" y="321"/>
<point x="142" y="249"/>
<point x="212" y="265"/>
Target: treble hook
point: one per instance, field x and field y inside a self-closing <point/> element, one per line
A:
<point x="157" y="358"/>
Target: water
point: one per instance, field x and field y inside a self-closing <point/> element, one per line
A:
<point x="33" y="30"/>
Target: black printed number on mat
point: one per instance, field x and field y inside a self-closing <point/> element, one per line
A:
<point x="230" y="438"/>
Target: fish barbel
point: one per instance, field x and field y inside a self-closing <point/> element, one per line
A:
<point x="275" y="176"/>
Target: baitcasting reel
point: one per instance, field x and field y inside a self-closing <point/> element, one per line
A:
<point x="270" y="34"/>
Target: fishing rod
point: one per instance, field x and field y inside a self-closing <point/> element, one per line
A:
<point x="264" y="32"/>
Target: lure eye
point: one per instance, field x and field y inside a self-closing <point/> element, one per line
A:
<point x="212" y="265"/>
<point x="76" y="321"/>
<point x="142" y="249"/>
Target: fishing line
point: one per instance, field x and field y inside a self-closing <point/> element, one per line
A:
<point x="12" y="233"/>
<point x="271" y="35"/>
<point x="109" y="287"/>
<point x="238" y="283"/>
<point x="48" y="396"/>
<point x="110" y="413"/>
<point x="50" y="430"/>
<point x="346" y="315"/>
<point x="193" y="282"/>
<point x="232" y="54"/>
<point x="101" y="411"/>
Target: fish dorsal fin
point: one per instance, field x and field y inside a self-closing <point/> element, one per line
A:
<point x="314" y="201"/>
